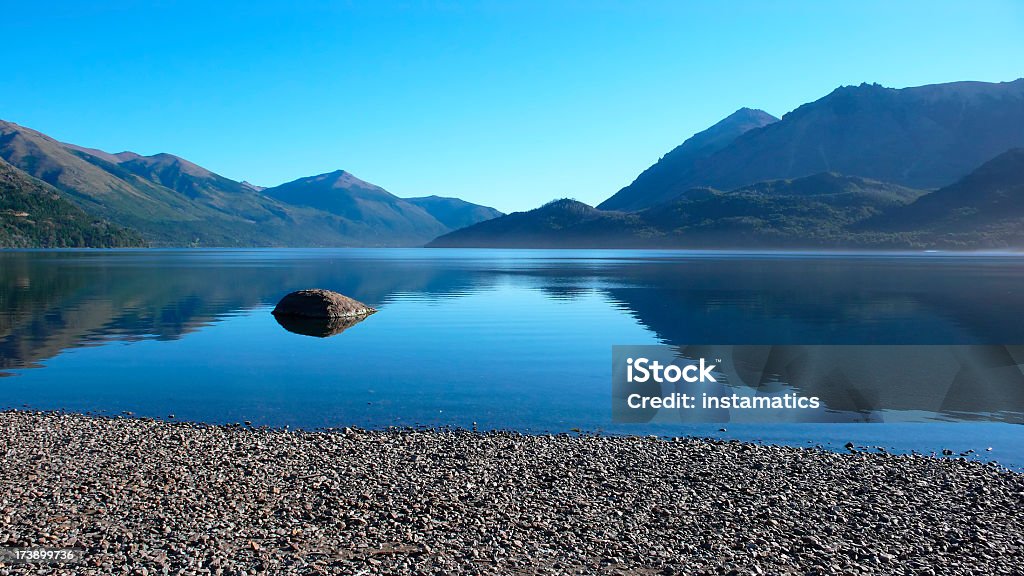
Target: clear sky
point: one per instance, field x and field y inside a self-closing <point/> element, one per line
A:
<point x="509" y="104"/>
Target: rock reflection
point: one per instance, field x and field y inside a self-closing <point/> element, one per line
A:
<point x="317" y="327"/>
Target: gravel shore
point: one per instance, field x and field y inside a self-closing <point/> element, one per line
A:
<point x="149" y="497"/>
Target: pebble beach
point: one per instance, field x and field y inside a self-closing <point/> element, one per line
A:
<point x="139" y="496"/>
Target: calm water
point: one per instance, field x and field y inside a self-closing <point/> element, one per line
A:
<point x="504" y="338"/>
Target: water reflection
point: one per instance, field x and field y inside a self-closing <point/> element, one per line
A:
<point x="52" y="302"/>
<point x="317" y="327"/>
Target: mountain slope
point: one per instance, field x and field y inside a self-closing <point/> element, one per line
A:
<point x="814" y="211"/>
<point x="453" y="212"/>
<point x="34" y="214"/>
<point x="174" y="202"/>
<point x="94" y="189"/>
<point x="654" y="183"/>
<point x="369" y="211"/>
<point x="922" y="137"/>
<point x="559" y="224"/>
<point x="170" y="171"/>
<point x="984" y="208"/>
<point x="197" y="193"/>
<point x="106" y="185"/>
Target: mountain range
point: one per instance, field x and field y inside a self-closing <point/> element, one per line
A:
<point x="922" y="137"/>
<point x="936" y="166"/>
<point x="985" y="209"/>
<point x="813" y="211"/>
<point x="164" y="200"/>
<point x="857" y="168"/>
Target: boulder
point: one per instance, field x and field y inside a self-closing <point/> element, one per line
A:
<point x="317" y="303"/>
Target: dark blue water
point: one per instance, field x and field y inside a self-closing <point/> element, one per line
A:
<point x="502" y="338"/>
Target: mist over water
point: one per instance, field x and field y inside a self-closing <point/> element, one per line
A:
<point x="514" y="339"/>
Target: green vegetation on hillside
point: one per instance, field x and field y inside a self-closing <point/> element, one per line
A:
<point x="173" y="202"/>
<point x="983" y="210"/>
<point x="34" y="214"/>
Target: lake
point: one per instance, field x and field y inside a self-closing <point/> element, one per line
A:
<point x="499" y="339"/>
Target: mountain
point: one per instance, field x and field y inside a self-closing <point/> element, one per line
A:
<point x="815" y="211"/>
<point x="653" y="183"/>
<point x="35" y="214"/>
<point x="562" y="223"/>
<point x="923" y="137"/>
<point x="453" y="212"/>
<point x="368" y="211"/>
<point x="90" y="186"/>
<point x="126" y="188"/>
<point x="170" y="171"/>
<point x="173" y="202"/>
<point x="983" y="209"/>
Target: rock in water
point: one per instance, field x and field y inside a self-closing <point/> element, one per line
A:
<point x="317" y="303"/>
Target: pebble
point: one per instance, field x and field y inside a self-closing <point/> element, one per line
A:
<point x="160" y="497"/>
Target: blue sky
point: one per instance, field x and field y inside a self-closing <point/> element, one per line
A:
<point x="509" y="104"/>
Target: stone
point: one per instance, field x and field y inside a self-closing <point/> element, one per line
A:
<point x="207" y="499"/>
<point x="319" y="303"/>
<point x="319" y="313"/>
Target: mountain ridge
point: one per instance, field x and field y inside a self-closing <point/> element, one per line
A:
<point x="364" y="206"/>
<point x="921" y="137"/>
<point x="686" y="157"/>
<point x="985" y="209"/>
<point x="172" y="201"/>
<point x="454" y="213"/>
<point x="862" y="155"/>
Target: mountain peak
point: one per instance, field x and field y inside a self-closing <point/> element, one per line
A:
<point x="165" y="160"/>
<point x="138" y="163"/>
<point x="749" y="114"/>
<point x="339" y="179"/>
<point x="566" y="205"/>
<point x="107" y="156"/>
<point x="454" y="213"/>
<point x="920" y="137"/>
<point x="962" y="92"/>
<point x="657" y="183"/>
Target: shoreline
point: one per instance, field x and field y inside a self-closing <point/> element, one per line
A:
<point x="168" y="497"/>
<point x="725" y="250"/>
